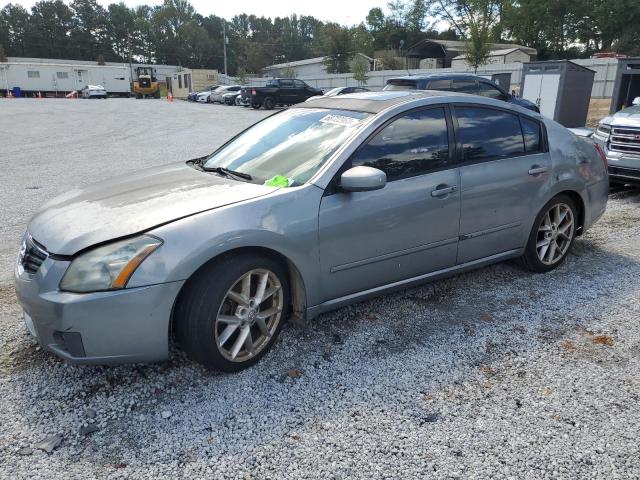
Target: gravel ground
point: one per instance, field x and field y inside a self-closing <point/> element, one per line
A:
<point x="497" y="373"/>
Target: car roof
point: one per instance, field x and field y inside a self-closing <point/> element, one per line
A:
<point x="441" y="76"/>
<point x="374" y="102"/>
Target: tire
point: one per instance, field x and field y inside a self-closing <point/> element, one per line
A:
<point x="212" y="314"/>
<point x="547" y="228"/>
<point x="269" y="103"/>
<point x="238" y="102"/>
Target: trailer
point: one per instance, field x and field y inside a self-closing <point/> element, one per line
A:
<point x="58" y="79"/>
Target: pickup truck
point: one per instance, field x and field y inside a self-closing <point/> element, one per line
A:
<point x="619" y="137"/>
<point x="279" y="91"/>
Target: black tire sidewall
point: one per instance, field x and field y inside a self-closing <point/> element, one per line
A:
<point x="199" y="303"/>
<point x="530" y="256"/>
<point x="268" y="103"/>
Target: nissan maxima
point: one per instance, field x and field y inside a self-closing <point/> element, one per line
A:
<point x="313" y="208"/>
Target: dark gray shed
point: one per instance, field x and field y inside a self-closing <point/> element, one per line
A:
<point x="562" y="90"/>
<point x="627" y="86"/>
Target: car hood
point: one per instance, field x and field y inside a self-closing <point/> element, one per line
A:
<point x="133" y="203"/>
<point x="629" y="117"/>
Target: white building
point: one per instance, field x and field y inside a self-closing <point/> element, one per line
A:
<point x="61" y="78"/>
<point x="302" y="68"/>
<point x="507" y="55"/>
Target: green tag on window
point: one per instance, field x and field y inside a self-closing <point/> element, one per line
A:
<point x="279" y="181"/>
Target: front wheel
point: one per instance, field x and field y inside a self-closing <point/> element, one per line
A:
<point x="552" y="236"/>
<point x="231" y="311"/>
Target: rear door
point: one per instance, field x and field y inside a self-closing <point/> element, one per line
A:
<point x="406" y="229"/>
<point x="505" y="172"/>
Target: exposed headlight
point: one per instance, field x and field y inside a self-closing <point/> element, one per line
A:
<point x="108" y="267"/>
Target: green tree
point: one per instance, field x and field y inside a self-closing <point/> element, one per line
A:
<point x="14" y="29"/>
<point x="3" y="55"/>
<point x="477" y="21"/>
<point x="360" y="68"/>
<point x="338" y="48"/>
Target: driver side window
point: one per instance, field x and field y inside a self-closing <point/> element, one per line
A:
<point x="411" y="145"/>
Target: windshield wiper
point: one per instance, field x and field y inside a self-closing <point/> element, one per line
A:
<point x="226" y="172"/>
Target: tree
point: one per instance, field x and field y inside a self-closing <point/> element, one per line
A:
<point x="478" y="21"/>
<point x="338" y="47"/>
<point x="360" y="68"/>
<point x="100" y="60"/>
<point x="241" y="76"/>
<point x="3" y="55"/>
<point x="288" y="72"/>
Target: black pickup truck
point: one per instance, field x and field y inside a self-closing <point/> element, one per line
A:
<point x="279" y="91"/>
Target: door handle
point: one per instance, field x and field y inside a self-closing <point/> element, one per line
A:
<point x="442" y="190"/>
<point x="537" y="170"/>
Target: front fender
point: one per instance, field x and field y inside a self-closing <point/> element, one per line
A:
<point x="286" y="223"/>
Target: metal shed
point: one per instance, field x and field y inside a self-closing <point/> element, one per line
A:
<point x="562" y="90"/>
<point x="627" y="84"/>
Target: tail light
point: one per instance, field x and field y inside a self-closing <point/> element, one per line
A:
<point x="253" y="91"/>
<point x="603" y="156"/>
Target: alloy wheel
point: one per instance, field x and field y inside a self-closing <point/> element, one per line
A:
<point x="555" y="234"/>
<point x="249" y="315"/>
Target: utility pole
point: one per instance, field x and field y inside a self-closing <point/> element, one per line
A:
<point x="224" y="43"/>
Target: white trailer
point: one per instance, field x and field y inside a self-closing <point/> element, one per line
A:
<point x="62" y="78"/>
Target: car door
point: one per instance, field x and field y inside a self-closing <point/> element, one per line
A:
<point x="504" y="172"/>
<point x="286" y="92"/>
<point x="302" y="91"/>
<point x="406" y="229"/>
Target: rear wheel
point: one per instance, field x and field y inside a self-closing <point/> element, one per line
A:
<point x="269" y="103"/>
<point x="232" y="310"/>
<point x="552" y="236"/>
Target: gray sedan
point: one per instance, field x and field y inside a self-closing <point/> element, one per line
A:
<point x="318" y="206"/>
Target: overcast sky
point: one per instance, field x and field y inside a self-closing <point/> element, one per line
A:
<point x="345" y="12"/>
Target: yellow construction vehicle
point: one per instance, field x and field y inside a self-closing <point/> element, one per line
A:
<point x="146" y="84"/>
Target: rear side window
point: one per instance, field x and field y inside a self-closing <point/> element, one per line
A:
<point x="532" y="135"/>
<point x="465" y="86"/>
<point x="413" y="144"/>
<point x="488" y="134"/>
<point x="401" y="84"/>
<point x="439" y="85"/>
<point x="490" y="91"/>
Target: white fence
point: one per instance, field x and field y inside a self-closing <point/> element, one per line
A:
<point x="605" y="68"/>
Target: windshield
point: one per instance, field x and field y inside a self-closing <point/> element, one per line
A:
<point x="293" y="144"/>
<point x="401" y="85"/>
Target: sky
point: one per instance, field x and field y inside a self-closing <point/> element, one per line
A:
<point x="344" y="12"/>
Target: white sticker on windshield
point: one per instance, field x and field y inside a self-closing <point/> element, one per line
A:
<point x="339" y="120"/>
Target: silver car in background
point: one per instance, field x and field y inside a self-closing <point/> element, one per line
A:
<point x="313" y="208"/>
<point x="619" y="137"/>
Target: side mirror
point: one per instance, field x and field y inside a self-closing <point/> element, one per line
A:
<point x="636" y="101"/>
<point x="362" y="179"/>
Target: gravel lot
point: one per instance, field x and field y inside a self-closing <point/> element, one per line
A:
<point x="496" y="373"/>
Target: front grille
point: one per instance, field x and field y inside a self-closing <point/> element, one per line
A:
<point x="32" y="254"/>
<point x="625" y="140"/>
<point x="630" y="173"/>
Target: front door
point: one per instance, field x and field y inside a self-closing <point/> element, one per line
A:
<point x="406" y="229"/>
<point x="504" y="173"/>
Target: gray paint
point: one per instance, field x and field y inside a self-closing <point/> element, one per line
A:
<point x="340" y="248"/>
